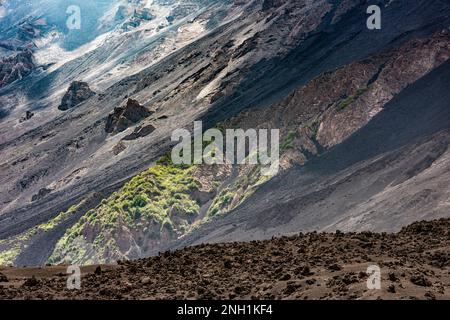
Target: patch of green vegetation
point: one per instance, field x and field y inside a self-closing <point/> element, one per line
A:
<point x="349" y="100"/>
<point x="146" y="202"/>
<point x="50" y="225"/>
<point x="12" y="247"/>
<point x="288" y="142"/>
<point x="155" y="206"/>
<point x="7" y="257"/>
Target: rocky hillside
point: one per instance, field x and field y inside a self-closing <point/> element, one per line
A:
<point x="84" y="133"/>
<point x="414" y="264"/>
<point x="380" y="178"/>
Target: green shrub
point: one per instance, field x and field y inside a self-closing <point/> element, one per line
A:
<point x="288" y="142"/>
<point x="140" y="201"/>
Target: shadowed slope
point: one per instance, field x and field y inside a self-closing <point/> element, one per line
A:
<point x="391" y="172"/>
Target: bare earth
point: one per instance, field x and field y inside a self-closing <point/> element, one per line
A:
<point x="415" y="264"/>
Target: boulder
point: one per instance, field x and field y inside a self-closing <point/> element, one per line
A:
<point x="41" y="194"/>
<point x="27" y="116"/>
<point x="3" y="278"/>
<point x="77" y="93"/>
<point x="125" y="116"/>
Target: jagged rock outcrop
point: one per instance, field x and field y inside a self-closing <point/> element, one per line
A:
<point x="15" y="67"/>
<point x="125" y="116"/>
<point x="41" y="194"/>
<point x="77" y="93"/>
<point x="136" y="19"/>
<point x="27" y="116"/>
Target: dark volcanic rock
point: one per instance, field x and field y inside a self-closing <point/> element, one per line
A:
<point x="31" y="282"/>
<point x="98" y="270"/>
<point x="420" y="280"/>
<point x="3" y="278"/>
<point x="77" y="93"/>
<point x="15" y="67"/>
<point x="27" y="116"/>
<point x="140" y="132"/>
<point x="125" y="116"/>
<point x="119" y="148"/>
<point x="41" y="194"/>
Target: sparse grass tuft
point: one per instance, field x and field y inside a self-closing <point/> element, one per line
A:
<point x="288" y="142"/>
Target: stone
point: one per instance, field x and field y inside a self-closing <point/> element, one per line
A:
<point x="125" y="116"/>
<point x="3" y="278"/>
<point x="77" y="93"/>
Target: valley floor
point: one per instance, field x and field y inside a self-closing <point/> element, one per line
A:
<point x="414" y="264"/>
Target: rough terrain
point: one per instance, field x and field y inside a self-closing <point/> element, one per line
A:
<point x="415" y="264"/>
